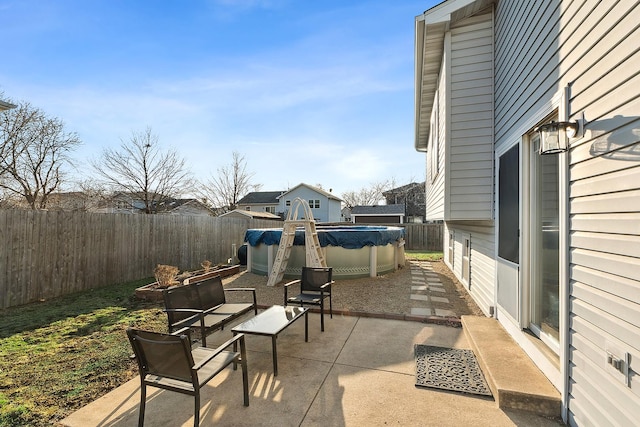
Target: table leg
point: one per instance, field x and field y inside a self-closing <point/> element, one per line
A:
<point x="306" y="326"/>
<point x="275" y="355"/>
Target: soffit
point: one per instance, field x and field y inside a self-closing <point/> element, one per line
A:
<point x="430" y="31"/>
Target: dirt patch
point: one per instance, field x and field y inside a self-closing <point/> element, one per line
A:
<point x="388" y="294"/>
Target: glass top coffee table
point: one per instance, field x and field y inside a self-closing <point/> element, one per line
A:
<point x="271" y="322"/>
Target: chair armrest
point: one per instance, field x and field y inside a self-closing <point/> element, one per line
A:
<point x="286" y="285"/>
<point x="220" y="349"/>
<point x="183" y="310"/>
<point x="327" y="285"/>
<point x="182" y="331"/>
<point x="197" y="314"/>
<point x="286" y="288"/>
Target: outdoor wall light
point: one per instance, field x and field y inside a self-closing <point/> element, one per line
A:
<point x="554" y="136"/>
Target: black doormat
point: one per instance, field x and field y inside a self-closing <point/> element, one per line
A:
<point x="449" y="369"/>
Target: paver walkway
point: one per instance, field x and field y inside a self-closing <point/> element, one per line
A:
<point x="427" y="292"/>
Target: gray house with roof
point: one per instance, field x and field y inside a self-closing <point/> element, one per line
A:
<point x="324" y="205"/>
<point x="260" y="201"/>
<point x="5" y="105"/>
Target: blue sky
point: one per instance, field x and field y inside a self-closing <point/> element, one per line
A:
<point x="319" y="92"/>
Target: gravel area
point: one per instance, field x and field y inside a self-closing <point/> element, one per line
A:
<point x="387" y="294"/>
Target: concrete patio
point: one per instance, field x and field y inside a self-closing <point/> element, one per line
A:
<point x="360" y="371"/>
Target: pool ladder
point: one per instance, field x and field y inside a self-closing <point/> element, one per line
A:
<point x="313" y="252"/>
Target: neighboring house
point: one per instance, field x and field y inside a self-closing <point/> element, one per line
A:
<point x="412" y="196"/>
<point x="345" y="214"/>
<point x="325" y="206"/>
<point x="184" y="207"/>
<point x="547" y="244"/>
<point x="122" y="203"/>
<point x="379" y="214"/>
<point x="249" y="214"/>
<point x="72" y="201"/>
<point x="260" y="201"/>
<point x="6" y="106"/>
<point x="133" y="203"/>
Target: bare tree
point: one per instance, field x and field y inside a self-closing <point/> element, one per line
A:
<point x="141" y="169"/>
<point x="231" y="183"/>
<point x="367" y="196"/>
<point x="34" y="154"/>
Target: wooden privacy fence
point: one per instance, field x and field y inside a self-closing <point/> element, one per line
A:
<point x="428" y="237"/>
<point x="48" y="254"/>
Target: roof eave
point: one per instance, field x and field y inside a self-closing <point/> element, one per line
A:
<point x="430" y="29"/>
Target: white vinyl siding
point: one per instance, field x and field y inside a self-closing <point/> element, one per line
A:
<point x="482" y="268"/>
<point x="541" y="47"/>
<point x="435" y="195"/>
<point x="470" y="148"/>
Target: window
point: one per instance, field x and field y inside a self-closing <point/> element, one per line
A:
<point x="248" y="208"/>
<point x="509" y="205"/>
<point x="314" y="204"/>
<point x="270" y="209"/>
<point x="451" y="247"/>
<point x="466" y="265"/>
<point x="287" y="203"/>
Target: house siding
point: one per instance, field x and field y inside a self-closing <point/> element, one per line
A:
<point x="541" y="47"/>
<point x="482" y="274"/>
<point x="470" y="150"/>
<point x="435" y="194"/>
<point x="329" y="210"/>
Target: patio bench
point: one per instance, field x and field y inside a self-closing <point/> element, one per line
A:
<point x="203" y="305"/>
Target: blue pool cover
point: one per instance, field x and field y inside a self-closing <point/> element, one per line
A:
<point x="354" y="237"/>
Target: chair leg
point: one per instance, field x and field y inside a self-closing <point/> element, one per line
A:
<point x="196" y="414"/>
<point x="143" y="400"/>
<point x="321" y="316"/>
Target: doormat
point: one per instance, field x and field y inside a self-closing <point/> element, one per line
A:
<point x="449" y="369"/>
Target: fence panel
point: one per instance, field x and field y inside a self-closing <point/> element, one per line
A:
<point x="48" y="254"/>
<point x="423" y="236"/>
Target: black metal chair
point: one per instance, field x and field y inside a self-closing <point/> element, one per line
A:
<point x="203" y="306"/>
<point x="168" y="362"/>
<point x="315" y="287"/>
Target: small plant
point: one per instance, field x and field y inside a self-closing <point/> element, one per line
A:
<point x="166" y="275"/>
<point x="206" y="265"/>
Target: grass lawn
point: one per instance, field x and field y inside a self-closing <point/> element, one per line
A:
<point x="424" y="255"/>
<point x="57" y="356"/>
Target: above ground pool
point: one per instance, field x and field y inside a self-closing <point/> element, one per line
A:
<point x="352" y="251"/>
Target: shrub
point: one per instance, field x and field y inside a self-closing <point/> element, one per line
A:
<point x="206" y="265"/>
<point x="165" y="275"/>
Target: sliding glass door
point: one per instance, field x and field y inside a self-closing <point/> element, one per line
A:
<point x="544" y="233"/>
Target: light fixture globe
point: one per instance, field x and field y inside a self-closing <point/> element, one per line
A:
<point x="554" y="136"/>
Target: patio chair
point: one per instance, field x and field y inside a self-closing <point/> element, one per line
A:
<point x="183" y="309"/>
<point x="168" y="362"/>
<point x="315" y="287"/>
<point x="202" y="305"/>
